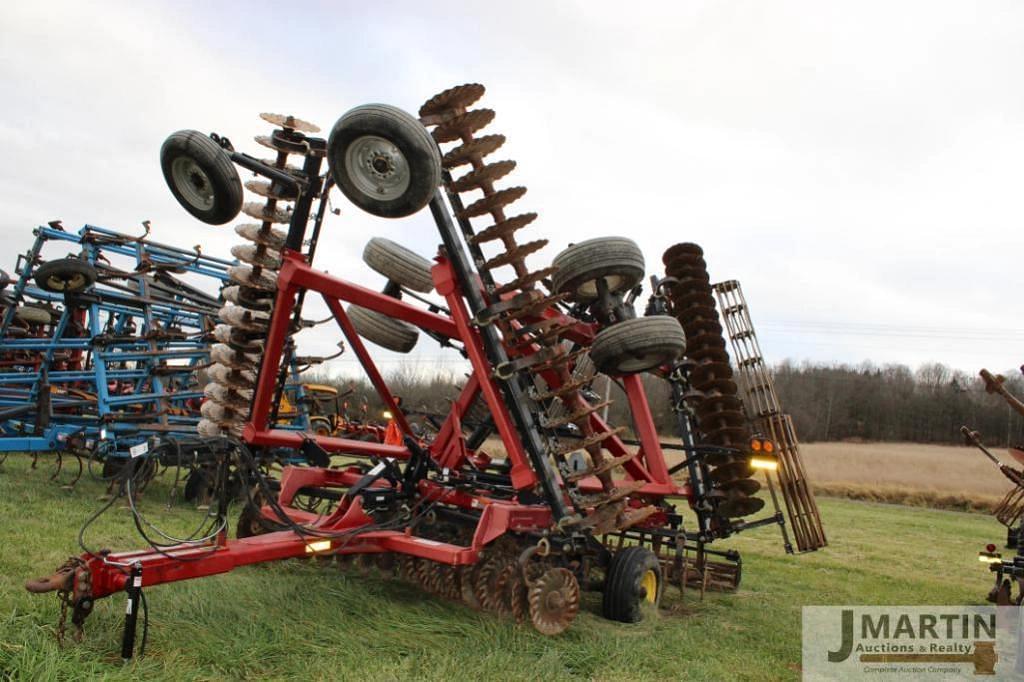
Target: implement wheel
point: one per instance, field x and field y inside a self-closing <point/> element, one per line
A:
<point x="398" y="264"/>
<point x="633" y="584"/>
<point x="384" y="160"/>
<point x="638" y="345"/>
<point x="386" y="332"/>
<point x="321" y="426"/>
<point x="616" y="260"/>
<point x="201" y="177"/>
<point x="65" y="276"/>
<point x="33" y="314"/>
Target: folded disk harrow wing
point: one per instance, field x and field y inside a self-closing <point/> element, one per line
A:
<point x="568" y="501"/>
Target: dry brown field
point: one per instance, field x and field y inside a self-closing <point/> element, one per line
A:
<point x="941" y="476"/>
<point x="908" y="473"/>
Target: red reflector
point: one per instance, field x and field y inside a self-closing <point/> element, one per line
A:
<point x="990" y="548"/>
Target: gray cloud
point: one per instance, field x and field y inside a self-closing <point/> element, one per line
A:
<point x="854" y="165"/>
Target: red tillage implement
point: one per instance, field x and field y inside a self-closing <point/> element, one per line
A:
<point x="573" y="506"/>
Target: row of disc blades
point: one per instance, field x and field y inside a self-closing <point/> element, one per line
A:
<point x="452" y="121"/>
<point x="714" y="398"/>
<point x="245" y="317"/>
<point x="547" y="597"/>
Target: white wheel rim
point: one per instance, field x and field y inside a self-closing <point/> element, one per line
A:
<point x="377" y="168"/>
<point x="192" y="182"/>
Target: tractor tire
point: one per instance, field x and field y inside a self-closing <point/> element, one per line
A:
<point x="633" y="575"/>
<point x="398" y="264"/>
<point x="32" y="314"/>
<point x="384" y="160"/>
<point x="201" y="177"/>
<point x="65" y="276"/>
<point x="617" y="260"/>
<point x="637" y="345"/>
<point x="386" y="332"/>
<point x="320" y="426"/>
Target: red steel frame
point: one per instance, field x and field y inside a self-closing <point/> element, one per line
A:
<point x="110" y="573"/>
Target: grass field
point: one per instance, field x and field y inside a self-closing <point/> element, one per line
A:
<point x="298" y="619"/>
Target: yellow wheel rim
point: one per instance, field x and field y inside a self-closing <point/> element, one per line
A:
<point x="650" y="584"/>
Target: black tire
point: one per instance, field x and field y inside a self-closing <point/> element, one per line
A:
<point x="320" y="426"/>
<point x="5" y="279"/>
<point x="384" y="160"/>
<point x="617" y="260"/>
<point x="33" y="314"/>
<point x="201" y="177"/>
<point x="398" y="264"/>
<point x="627" y="585"/>
<point x="638" y="345"/>
<point x="65" y="276"/>
<point x="386" y="332"/>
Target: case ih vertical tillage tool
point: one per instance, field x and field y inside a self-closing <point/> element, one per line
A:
<point x="573" y="505"/>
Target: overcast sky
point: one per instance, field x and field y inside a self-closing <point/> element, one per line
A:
<point x="856" y="165"/>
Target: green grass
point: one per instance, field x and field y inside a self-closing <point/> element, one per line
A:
<point x="298" y="619"/>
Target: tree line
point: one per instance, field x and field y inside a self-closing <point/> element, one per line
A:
<point x="827" y="402"/>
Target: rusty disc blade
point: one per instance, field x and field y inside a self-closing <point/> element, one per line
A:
<point x="506" y="228"/>
<point x="458" y="97"/>
<point x="472" y="151"/>
<point x="732" y="471"/>
<point x="690" y="277"/>
<point x="554" y="601"/>
<point x="693" y="298"/>
<point x="209" y="429"/>
<point x="492" y="202"/>
<point x="706" y="341"/>
<point x="740" y="506"/>
<point x="266" y="189"/>
<point x="708" y="372"/>
<point x="229" y="377"/>
<point x="257" y="234"/>
<point x="698" y="327"/>
<point x="678" y="249"/>
<point x="723" y="405"/>
<point x="228" y="396"/>
<point x="719" y="387"/>
<point x="515" y="255"/>
<point x="483" y="176"/>
<point x="742" y="486"/>
<point x="256" y="254"/>
<point x="736" y="436"/>
<point x="525" y="282"/>
<point x="290" y="122"/>
<point x="463" y="125"/>
<point x="247" y="276"/>
<point x="716" y="355"/>
<point x="255" y="209"/>
<point x="697" y="313"/>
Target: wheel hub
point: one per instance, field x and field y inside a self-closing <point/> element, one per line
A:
<point x="377" y="167"/>
<point x="193" y="182"/>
